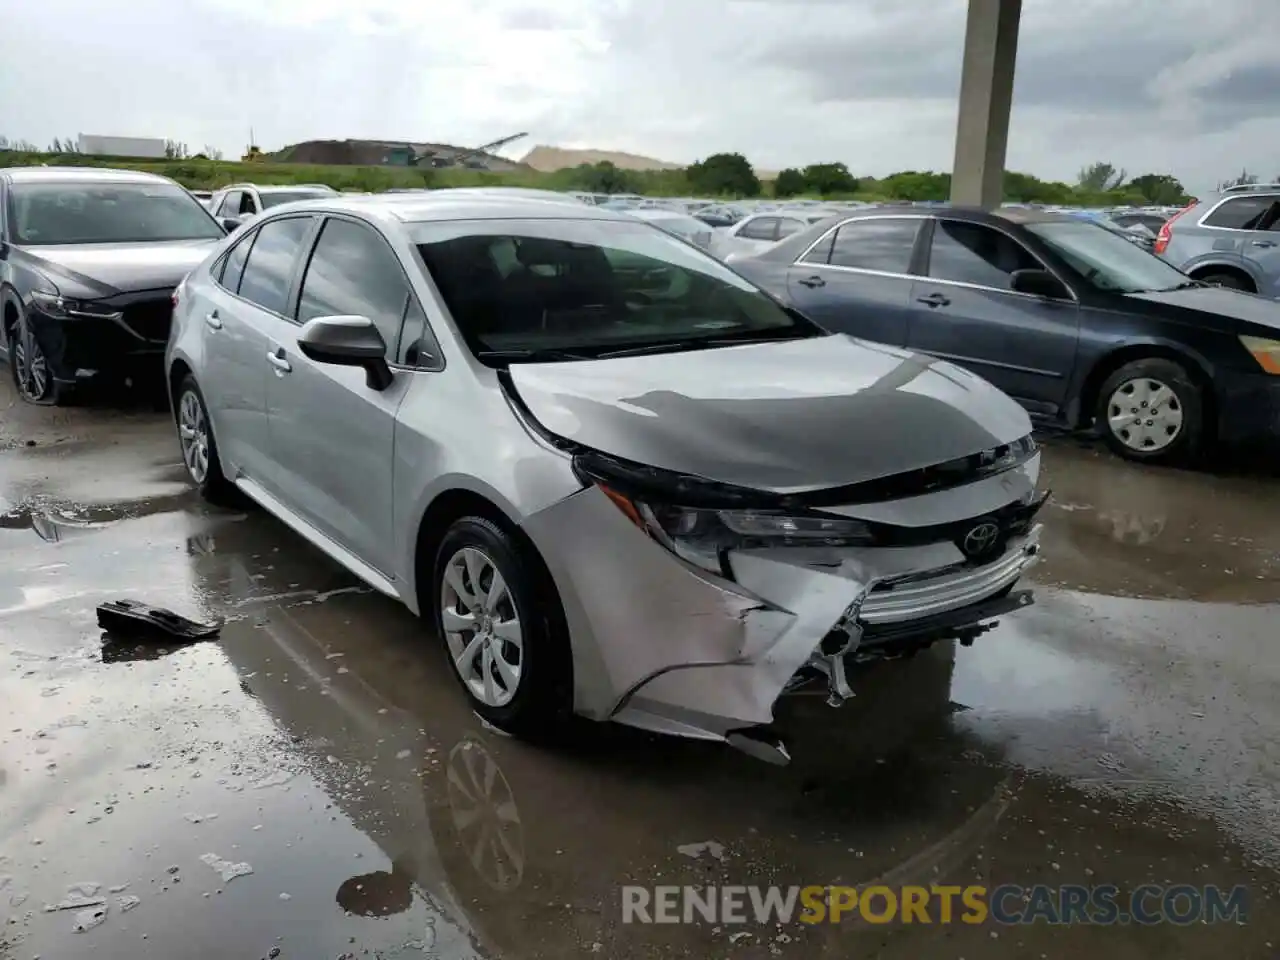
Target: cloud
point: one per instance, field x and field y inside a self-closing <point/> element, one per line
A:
<point x="1146" y="85"/>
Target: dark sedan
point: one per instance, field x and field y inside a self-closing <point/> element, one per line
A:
<point x="1074" y="321"/>
<point x="89" y="259"/>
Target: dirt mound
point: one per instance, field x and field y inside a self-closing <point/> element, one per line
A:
<point x="546" y="159"/>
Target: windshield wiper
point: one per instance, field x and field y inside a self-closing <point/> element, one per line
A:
<point x="531" y="356"/>
<point x="701" y="343"/>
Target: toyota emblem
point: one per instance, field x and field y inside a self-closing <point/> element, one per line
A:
<point x="980" y="539"/>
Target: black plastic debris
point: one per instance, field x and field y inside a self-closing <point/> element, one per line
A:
<point x="129" y="618"/>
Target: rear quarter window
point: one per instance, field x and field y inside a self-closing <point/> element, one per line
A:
<point x="1245" y="213"/>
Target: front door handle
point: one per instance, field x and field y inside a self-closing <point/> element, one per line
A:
<point x="934" y="300"/>
<point x="213" y="321"/>
<point x="812" y="282"/>
<point x="278" y="360"/>
<point x="1263" y="243"/>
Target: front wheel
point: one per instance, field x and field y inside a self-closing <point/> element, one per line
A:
<point x="1152" y="411"/>
<point x="500" y="626"/>
<point x="29" y="366"/>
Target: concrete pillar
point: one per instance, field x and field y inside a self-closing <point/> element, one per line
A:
<point x="986" y="96"/>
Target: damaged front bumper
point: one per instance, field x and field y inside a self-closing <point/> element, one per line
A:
<point x="663" y="644"/>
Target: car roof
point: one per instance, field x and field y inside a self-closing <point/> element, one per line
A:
<point x="79" y="175"/>
<point x="789" y="248"/>
<point x="462" y="203"/>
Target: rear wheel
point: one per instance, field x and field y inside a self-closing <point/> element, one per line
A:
<point x="500" y="625"/>
<point x="195" y="437"/>
<point x="1232" y="281"/>
<point x="1151" y="410"/>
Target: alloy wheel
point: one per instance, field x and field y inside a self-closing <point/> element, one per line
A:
<point x="482" y="627"/>
<point x="1145" y="415"/>
<point x="193" y="434"/>
<point x="30" y="369"/>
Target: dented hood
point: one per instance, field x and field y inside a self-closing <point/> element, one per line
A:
<point x="784" y="417"/>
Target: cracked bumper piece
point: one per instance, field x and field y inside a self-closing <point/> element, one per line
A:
<point x="662" y="644"/>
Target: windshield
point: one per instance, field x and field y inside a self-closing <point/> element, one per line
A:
<point x="273" y="198"/>
<point x="69" y="212"/>
<point x="1108" y="260"/>
<point x="589" y="287"/>
<point x="682" y="226"/>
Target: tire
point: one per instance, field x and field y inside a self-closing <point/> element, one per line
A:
<point x="29" y="369"/>
<point x="535" y="704"/>
<point x="204" y="470"/>
<point x="1232" y="281"/>
<point x="1175" y="437"/>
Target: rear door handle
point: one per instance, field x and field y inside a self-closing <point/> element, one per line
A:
<point x="934" y="300"/>
<point x="213" y="321"/>
<point x="1263" y="243"/>
<point x="278" y="360"/>
<point x="812" y="282"/>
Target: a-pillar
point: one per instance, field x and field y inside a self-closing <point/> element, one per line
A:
<point x="986" y="96"/>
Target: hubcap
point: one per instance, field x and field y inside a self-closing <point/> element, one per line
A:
<point x="1145" y="415"/>
<point x="483" y="808"/>
<point x="193" y="433"/>
<point x="29" y="367"/>
<point x="482" y="627"/>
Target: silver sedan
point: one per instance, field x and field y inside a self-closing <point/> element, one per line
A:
<point x="615" y="477"/>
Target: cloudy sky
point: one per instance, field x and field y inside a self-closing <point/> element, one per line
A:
<point x="1149" y="85"/>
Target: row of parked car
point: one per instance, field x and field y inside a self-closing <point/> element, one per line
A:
<point x="554" y="430"/>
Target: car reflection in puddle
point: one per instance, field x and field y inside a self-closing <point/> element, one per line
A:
<point x="485" y="817"/>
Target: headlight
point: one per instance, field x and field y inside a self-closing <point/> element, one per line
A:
<point x="1266" y="352"/>
<point x="703" y="535"/>
<point x="62" y="308"/>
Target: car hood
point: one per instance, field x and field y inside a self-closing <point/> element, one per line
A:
<point x="92" y="271"/>
<point x="783" y="417"/>
<point x="1219" y="302"/>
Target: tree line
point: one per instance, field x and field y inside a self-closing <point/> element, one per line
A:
<point x="731" y="175"/>
<point x="727" y="175"/>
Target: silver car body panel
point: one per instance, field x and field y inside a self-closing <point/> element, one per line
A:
<point x="656" y="641"/>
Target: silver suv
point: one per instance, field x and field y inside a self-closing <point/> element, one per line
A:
<point x="1230" y="238"/>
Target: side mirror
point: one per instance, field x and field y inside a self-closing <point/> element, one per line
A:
<point x="231" y="223"/>
<point x="347" y="342"/>
<point x="1039" y="283"/>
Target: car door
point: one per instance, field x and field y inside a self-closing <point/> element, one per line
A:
<point x="965" y="311"/>
<point x="234" y="377"/>
<point x="331" y="434"/>
<point x="247" y="316"/>
<point x="857" y="279"/>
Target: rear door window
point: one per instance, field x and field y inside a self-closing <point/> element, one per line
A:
<point x="233" y="263"/>
<point x="787" y="226"/>
<point x="883" y="244"/>
<point x="269" y="270"/>
<point x="761" y="228"/>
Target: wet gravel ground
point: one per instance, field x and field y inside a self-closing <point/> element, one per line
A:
<point x="311" y="784"/>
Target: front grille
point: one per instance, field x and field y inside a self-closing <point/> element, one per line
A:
<point x="149" y="319"/>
